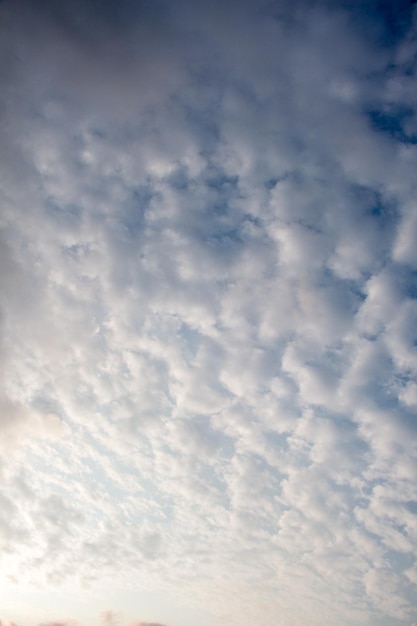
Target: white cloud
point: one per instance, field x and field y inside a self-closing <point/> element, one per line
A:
<point x="207" y="297"/>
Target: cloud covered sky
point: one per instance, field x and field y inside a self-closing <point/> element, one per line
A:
<point x="208" y="313"/>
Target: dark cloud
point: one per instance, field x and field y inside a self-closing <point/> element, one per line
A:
<point x="386" y="22"/>
<point x="110" y="53"/>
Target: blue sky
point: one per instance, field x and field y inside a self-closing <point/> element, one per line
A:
<point x="208" y="313"/>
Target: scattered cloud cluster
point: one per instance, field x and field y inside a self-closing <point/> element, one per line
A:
<point x="208" y="305"/>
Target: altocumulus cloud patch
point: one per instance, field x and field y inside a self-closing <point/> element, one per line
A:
<point x="208" y="361"/>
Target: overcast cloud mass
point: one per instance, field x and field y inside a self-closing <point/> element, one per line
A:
<point x="208" y="313"/>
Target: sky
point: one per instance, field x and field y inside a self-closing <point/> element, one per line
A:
<point x="208" y="313"/>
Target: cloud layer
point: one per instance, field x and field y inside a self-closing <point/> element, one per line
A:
<point x="208" y="306"/>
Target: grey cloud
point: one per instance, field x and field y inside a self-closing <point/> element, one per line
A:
<point x="115" y="54"/>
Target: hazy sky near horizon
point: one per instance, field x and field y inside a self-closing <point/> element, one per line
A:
<point x="208" y="313"/>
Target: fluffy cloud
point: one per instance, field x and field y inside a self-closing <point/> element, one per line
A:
<point x="207" y="307"/>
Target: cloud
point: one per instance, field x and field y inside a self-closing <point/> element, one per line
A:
<point x="59" y="623"/>
<point x="208" y="303"/>
<point x="146" y="624"/>
<point x="108" y="618"/>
